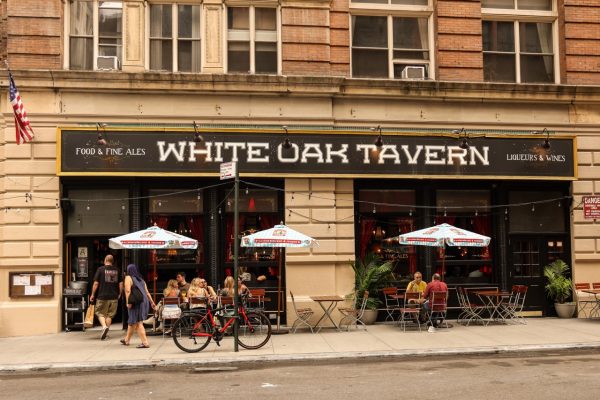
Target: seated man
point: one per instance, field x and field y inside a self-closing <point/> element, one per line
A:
<point x="436" y="285"/>
<point x="417" y="285"/>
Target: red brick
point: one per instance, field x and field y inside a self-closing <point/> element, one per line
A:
<point x="459" y="42"/>
<point x="339" y="20"/>
<point x="303" y="34"/>
<point x="307" y="52"/>
<point x="340" y="55"/>
<point x="304" y="16"/>
<point x="460" y="74"/>
<point x="34" y="8"/>
<point x="34" y="45"/>
<point x="583" y="78"/>
<point x="340" y="70"/>
<point x="305" y="68"/>
<point x="460" y="9"/>
<point x="459" y="59"/>
<point x="582" y="47"/>
<point x="29" y="26"/>
<point x="583" y="63"/>
<point x="582" y="31"/>
<point x="340" y="5"/>
<point x="459" y="25"/>
<point x="582" y="14"/>
<point x="339" y="37"/>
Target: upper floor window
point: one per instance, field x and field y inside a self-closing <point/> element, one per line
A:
<point x="519" y="41"/>
<point x="394" y="45"/>
<point x="252" y="40"/>
<point x="175" y="37"/>
<point x="95" y="34"/>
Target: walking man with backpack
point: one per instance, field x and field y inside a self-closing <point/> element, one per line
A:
<point x="109" y="285"/>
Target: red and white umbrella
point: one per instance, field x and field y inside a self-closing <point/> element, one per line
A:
<point x="153" y="238"/>
<point x="442" y="235"/>
<point x="278" y="236"/>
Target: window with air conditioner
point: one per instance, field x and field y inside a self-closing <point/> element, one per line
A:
<point x="519" y="48"/>
<point x="395" y="45"/>
<point x="95" y="34"/>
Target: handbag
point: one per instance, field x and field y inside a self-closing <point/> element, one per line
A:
<point x="89" y="317"/>
<point x="135" y="297"/>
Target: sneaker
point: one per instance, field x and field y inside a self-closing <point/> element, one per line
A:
<point x="104" y="333"/>
<point x="431" y="329"/>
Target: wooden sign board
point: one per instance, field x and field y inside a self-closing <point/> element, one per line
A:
<point x="31" y="284"/>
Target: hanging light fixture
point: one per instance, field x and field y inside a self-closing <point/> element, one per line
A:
<point x="379" y="141"/>
<point x="546" y="144"/>
<point x="464" y="140"/>
<point x="287" y="144"/>
<point x="197" y="137"/>
<point x="101" y="141"/>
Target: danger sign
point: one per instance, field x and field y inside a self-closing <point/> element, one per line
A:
<point x="591" y="207"/>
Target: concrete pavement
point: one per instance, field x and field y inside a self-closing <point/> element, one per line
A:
<point x="83" y="351"/>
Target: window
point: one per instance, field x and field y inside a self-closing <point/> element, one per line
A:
<point x="252" y="40"/>
<point x="95" y="34"/>
<point x="175" y="37"/>
<point x="394" y="45"/>
<point x="518" y="41"/>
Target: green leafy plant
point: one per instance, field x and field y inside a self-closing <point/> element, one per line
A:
<point x="371" y="274"/>
<point x="559" y="286"/>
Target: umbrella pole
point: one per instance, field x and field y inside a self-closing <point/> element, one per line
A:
<point x="154" y="277"/>
<point x="443" y="263"/>
<point x="279" y="331"/>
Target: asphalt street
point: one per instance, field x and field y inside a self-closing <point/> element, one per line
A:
<point x="552" y="375"/>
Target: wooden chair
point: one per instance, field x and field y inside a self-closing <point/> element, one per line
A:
<point x="411" y="308"/>
<point x="171" y="312"/>
<point x="438" y="308"/>
<point x="392" y="302"/>
<point x="353" y="315"/>
<point x="302" y="316"/>
<point x="257" y="299"/>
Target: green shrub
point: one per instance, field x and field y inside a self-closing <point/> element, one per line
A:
<point x="559" y="286"/>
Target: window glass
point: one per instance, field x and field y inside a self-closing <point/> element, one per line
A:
<point x="110" y="15"/>
<point x="498" y="36"/>
<point x="536" y="38"/>
<point x="164" y="201"/>
<point x="498" y="4"/>
<point x="81" y="55"/>
<point x="266" y="19"/>
<point x="161" y="44"/>
<point x="238" y="18"/>
<point x="467" y="200"/>
<point x="544" y="216"/>
<point x="410" y="38"/>
<point x="369" y="47"/>
<point x="544" y="5"/>
<point x="266" y="58"/>
<point x="188" y="45"/>
<point x="406" y="198"/>
<point x="238" y="57"/>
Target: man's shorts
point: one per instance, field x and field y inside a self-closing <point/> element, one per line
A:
<point x="106" y="308"/>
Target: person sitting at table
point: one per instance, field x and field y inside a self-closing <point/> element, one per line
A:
<point x="436" y="285"/>
<point x="417" y="285"/>
<point x="197" y="290"/>
<point x="211" y="292"/>
<point x="228" y="287"/>
<point x="172" y="290"/>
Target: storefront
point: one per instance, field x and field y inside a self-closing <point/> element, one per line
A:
<point x="336" y="185"/>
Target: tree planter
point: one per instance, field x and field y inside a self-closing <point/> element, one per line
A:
<point x="565" y="310"/>
<point x="369" y="317"/>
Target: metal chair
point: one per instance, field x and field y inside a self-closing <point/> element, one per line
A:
<point x="302" y="316"/>
<point x="437" y="308"/>
<point x="392" y="303"/>
<point x="353" y="315"/>
<point x="171" y="312"/>
<point x="411" y="308"/>
<point x="257" y="299"/>
<point x="469" y="311"/>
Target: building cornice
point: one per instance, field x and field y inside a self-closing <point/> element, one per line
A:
<point x="271" y="85"/>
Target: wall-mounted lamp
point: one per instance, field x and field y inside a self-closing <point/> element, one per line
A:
<point x="197" y="137"/>
<point x="546" y="144"/>
<point x="379" y="141"/>
<point x="287" y="144"/>
<point x="464" y="140"/>
<point x="101" y="141"/>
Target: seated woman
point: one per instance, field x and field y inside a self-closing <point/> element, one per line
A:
<point x="197" y="290"/>
<point x="172" y="290"/>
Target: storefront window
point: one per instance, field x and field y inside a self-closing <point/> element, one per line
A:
<point x="258" y="210"/>
<point x="465" y="209"/>
<point x="180" y="213"/>
<point x="384" y="215"/>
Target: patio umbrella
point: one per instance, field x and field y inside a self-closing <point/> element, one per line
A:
<point x="442" y="235"/>
<point x="152" y="238"/>
<point x="278" y="236"/>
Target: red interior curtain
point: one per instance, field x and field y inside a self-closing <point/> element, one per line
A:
<point x="366" y="233"/>
<point x="196" y="226"/>
<point x="267" y="221"/>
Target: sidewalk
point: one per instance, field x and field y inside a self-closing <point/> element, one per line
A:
<point x="81" y="351"/>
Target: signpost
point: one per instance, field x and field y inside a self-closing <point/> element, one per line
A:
<point x="591" y="207"/>
<point x="229" y="170"/>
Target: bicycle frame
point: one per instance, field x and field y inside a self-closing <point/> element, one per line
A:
<point x="210" y="317"/>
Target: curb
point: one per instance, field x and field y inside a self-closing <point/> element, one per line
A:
<point x="209" y="365"/>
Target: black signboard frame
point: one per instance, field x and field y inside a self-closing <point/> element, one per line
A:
<point x="339" y="154"/>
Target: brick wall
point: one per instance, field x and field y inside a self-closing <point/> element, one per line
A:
<point x="582" y="41"/>
<point x="459" y="52"/>
<point x="34" y="37"/>
<point x="340" y="38"/>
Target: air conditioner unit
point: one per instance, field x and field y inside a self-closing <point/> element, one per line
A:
<point x="413" y="72"/>
<point x="108" y="62"/>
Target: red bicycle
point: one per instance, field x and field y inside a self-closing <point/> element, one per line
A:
<point x="194" y="330"/>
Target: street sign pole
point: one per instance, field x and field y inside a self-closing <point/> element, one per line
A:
<point x="236" y="245"/>
<point x="229" y="170"/>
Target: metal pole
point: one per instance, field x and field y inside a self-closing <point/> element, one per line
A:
<point x="235" y="256"/>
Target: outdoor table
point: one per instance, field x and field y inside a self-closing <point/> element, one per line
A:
<point x="492" y="301"/>
<point x="596" y="308"/>
<point x="330" y="302"/>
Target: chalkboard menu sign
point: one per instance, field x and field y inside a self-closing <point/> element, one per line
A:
<point x="31" y="284"/>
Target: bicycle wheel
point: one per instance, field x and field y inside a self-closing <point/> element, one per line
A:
<point x="254" y="330"/>
<point x="184" y="333"/>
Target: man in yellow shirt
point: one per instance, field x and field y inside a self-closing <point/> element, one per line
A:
<point x="417" y="285"/>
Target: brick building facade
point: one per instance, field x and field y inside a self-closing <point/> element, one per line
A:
<point x="494" y="67"/>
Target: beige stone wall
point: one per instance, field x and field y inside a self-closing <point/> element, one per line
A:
<point x="324" y="210"/>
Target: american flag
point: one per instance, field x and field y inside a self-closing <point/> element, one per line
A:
<point x="22" y="125"/>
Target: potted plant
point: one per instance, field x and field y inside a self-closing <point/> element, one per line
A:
<point x="559" y="288"/>
<point x="371" y="274"/>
